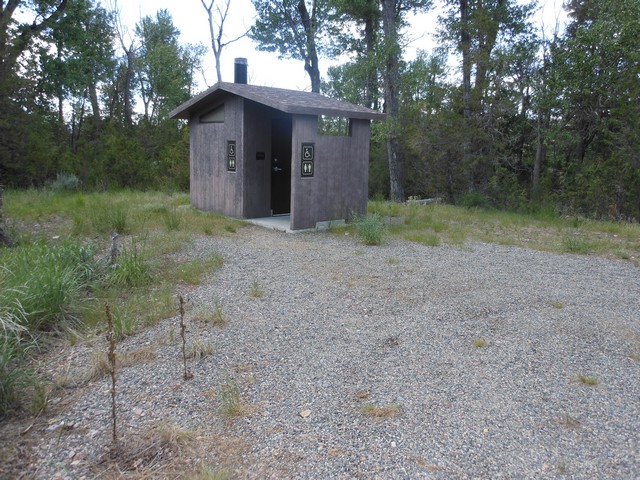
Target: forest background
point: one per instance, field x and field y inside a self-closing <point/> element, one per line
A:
<point x="501" y="114"/>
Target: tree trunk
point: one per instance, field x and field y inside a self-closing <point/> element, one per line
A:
<point x="465" y="48"/>
<point x="311" y="61"/>
<point x="486" y="43"/>
<point x="95" y="107"/>
<point x="212" y="34"/>
<point x="541" y="153"/>
<point x="392" y="97"/>
<point x="128" y="83"/>
<point x="370" y="27"/>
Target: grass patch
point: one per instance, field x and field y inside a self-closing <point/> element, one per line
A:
<point x="193" y="271"/>
<point x="424" y="238"/>
<point x="62" y="285"/>
<point x="173" y="219"/>
<point x="370" y="228"/>
<point x="132" y="268"/>
<point x="575" y="244"/>
<point x="107" y="218"/>
<point x="479" y="343"/>
<point x="544" y="230"/>
<point x="45" y="285"/>
<point x="214" y="316"/>
<point x="15" y="378"/>
<point x="200" y="348"/>
<point x="587" y="380"/>
<point x="208" y="472"/>
<point x="381" y="412"/>
<point x="133" y="309"/>
<point x="231" y="403"/>
<point x="171" y="434"/>
<point x="256" y="291"/>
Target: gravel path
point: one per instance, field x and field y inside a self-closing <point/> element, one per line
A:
<point x="367" y="362"/>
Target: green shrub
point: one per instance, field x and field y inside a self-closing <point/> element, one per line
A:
<point x="474" y="199"/>
<point x="371" y="229"/>
<point x="65" y="182"/>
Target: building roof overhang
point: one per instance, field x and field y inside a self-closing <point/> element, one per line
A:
<point x="288" y="101"/>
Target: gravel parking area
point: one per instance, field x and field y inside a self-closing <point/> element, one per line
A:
<point x="398" y="361"/>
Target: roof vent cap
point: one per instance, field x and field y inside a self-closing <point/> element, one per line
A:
<point x="240" y="70"/>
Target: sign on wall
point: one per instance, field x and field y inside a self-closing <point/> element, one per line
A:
<point x="231" y="155"/>
<point x="308" y="157"/>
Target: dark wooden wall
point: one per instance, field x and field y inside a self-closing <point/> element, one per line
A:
<point x="339" y="187"/>
<point x="212" y="187"/>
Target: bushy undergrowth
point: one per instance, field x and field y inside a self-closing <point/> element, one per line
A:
<point x="51" y="286"/>
<point x="65" y="182"/>
<point x="42" y="287"/>
<point x="370" y="228"/>
<point x="47" y="282"/>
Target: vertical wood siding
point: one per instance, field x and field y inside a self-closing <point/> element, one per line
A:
<point x="339" y="186"/>
<point x="213" y="188"/>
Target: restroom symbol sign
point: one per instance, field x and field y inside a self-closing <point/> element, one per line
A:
<point x="307" y="169"/>
<point x="231" y="156"/>
<point x="307" y="159"/>
<point x="307" y="152"/>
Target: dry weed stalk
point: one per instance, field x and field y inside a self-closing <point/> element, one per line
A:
<point x="113" y="256"/>
<point x="112" y="370"/>
<point x="187" y="374"/>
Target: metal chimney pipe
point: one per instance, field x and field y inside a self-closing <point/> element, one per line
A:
<point x="240" y="70"/>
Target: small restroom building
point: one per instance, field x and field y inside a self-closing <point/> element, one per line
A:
<point x="258" y="152"/>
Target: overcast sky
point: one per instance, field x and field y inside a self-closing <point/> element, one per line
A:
<point x="265" y="68"/>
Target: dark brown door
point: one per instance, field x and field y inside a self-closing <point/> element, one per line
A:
<point x="280" y="166"/>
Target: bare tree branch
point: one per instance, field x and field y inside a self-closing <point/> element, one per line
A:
<point x="216" y="21"/>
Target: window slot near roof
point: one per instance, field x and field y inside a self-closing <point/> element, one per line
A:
<point x="213" y="116"/>
<point x="334" y="126"/>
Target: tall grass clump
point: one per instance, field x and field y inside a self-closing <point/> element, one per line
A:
<point x="13" y="375"/>
<point x="173" y="219"/>
<point x="370" y="228"/>
<point x="48" y="282"/>
<point x="132" y="269"/>
<point x="107" y="217"/>
<point x="42" y="287"/>
<point x="575" y="244"/>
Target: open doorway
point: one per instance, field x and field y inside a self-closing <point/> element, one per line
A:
<point x="281" y="165"/>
